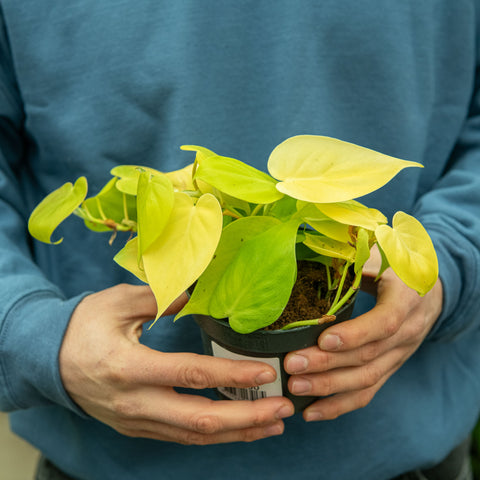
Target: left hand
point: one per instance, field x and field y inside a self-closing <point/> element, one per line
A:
<point x="355" y="358"/>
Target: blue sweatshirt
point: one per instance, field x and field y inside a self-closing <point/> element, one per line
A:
<point x="90" y="84"/>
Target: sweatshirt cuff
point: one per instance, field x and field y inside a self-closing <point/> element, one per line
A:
<point x="30" y="342"/>
<point x="459" y="273"/>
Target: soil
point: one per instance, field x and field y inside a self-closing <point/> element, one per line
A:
<point x="309" y="298"/>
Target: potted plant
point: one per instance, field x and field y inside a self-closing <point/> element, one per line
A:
<point x="235" y="235"/>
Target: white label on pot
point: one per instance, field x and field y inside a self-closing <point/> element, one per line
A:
<point x="273" y="389"/>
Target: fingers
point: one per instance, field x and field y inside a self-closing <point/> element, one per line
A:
<point x="348" y="378"/>
<point x="332" y="407"/>
<point x="195" y="371"/>
<point x="190" y="419"/>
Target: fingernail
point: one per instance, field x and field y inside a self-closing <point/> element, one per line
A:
<point x="265" y="377"/>
<point x="300" y="385"/>
<point x="330" y="342"/>
<point x="275" y="429"/>
<point x="297" y="363"/>
<point x="284" y="412"/>
<point x="313" y="416"/>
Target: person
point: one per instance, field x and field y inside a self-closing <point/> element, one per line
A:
<point x="85" y="86"/>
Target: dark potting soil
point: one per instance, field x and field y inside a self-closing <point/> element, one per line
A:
<point x="309" y="298"/>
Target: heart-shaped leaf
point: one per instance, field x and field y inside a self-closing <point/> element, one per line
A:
<point x="256" y="286"/>
<point x="180" y="255"/>
<point x="325" y="170"/>
<point x="409" y="251"/>
<point x="127" y="258"/>
<point x="330" y="247"/>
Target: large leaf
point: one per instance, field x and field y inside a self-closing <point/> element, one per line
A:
<point x="238" y="179"/>
<point x="353" y="213"/>
<point x="55" y="208"/>
<point x="180" y="255"/>
<point x="155" y="199"/>
<point x="128" y="176"/>
<point x="329" y="247"/>
<point x="233" y="238"/>
<point x="324" y="170"/>
<point x="111" y="204"/>
<point x="409" y="251"/>
<point x="257" y="284"/>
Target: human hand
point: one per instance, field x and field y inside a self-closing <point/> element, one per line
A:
<point x="129" y="386"/>
<point x="355" y="358"/>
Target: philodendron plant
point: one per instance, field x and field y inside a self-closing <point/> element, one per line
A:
<point x="237" y="232"/>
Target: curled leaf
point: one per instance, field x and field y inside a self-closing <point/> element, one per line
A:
<point x="55" y="208"/>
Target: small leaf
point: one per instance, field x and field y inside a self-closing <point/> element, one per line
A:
<point x="55" y="208"/>
<point x="325" y="170"/>
<point x="238" y="179"/>
<point x="329" y="247"/>
<point x="353" y="213"/>
<point x="128" y="177"/>
<point x="409" y="251"/>
<point x="127" y="258"/>
<point x="180" y="255"/>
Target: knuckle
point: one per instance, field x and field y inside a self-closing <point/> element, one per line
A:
<point x="195" y="377"/>
<point x="371" y="375"/>
<point x="391" y="325"/>
<point x="124" y="407"/>
<point x="206" y="424"/>
<point x="326" y="385"/>
<point x="368" y="352"/>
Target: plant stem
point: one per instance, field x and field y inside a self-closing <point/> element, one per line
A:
<point x="256" y="209"/>
<point x="356" y="283"/>
<point x="340" y="285"/>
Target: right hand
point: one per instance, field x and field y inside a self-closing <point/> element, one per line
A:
<point x="124" y="384"/>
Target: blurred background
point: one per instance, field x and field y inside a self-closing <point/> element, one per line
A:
<point x="17" y="458"/>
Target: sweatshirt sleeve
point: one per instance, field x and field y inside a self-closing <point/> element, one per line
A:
<point x="33" y="312"/>
<point x="451" y="214"/>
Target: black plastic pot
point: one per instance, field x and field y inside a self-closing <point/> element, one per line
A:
<point x="269" y="346"/>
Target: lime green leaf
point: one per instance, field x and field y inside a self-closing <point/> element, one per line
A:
<point x="255" y="287"/>
<point x="181" y="254"/>
<point x="362" y="250"/>
<point x="202" y="152"/>
<point x="324" y="170"/>
<point x="353" y="213"/>
<point x="55" y="208"/>
<point x="155" y="199"/>
<point x="127" y="258"/>
<point x="233" y="238"/>
<point x="129" y="175"/>
<point x="109" y="204"/>
<point x="238" y="179"/>
<point x="409" y="251"/>
<point x="330" y="247"/>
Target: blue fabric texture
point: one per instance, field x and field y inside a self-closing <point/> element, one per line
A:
<point x="88" y="85"/>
